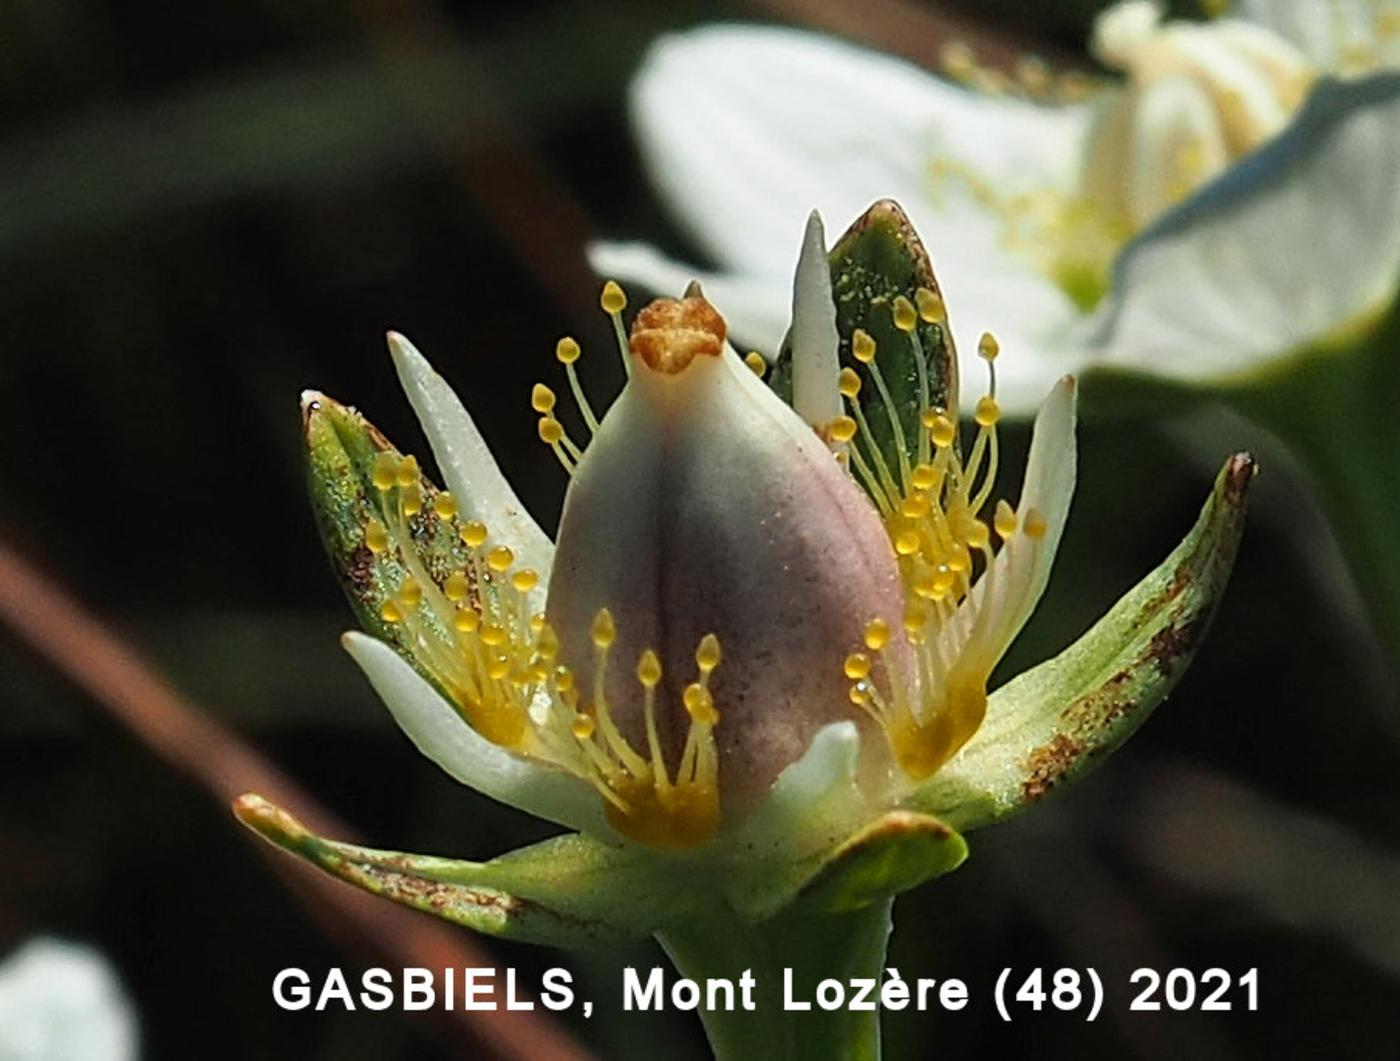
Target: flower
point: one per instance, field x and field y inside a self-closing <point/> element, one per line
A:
<point x="763" y="641"/>
<point x="62" y="1000"/>
<point x="1228" y="205"/>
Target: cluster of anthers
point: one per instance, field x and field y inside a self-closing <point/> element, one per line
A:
<point x="499" y="662"/>
<point x="932" y="507"/>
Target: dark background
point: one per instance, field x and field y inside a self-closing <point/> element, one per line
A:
<point x="205" y="208"/>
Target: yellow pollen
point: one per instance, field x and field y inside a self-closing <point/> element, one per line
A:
<point x="411" y="498"/>
<point x="474" y="534"/>
<point x="524" y="580"/>
<point x="877" y="634"/>
<point x="977" y="534"/>
<point x="842" y="429"/>
<point x="567" y="351"/>
<point x="541" y="398"/>
<point x="859" y="696"/>
<point x="390" y="613"/>
<point x="756" y="363"/>
<point x="987" y="412"/>
<point x="551" y="430"/>
<point x="930" y="304"/>
<point x="906" y="543"/>
<point x="988" y="347"/>
<point x="386" y="467"/>
<point x="499" y="559"/>
<point x="700" y="705"/>
<point x="410" y="593"/>
<point x="849" y="382"/>
<point x="407" y="473"/>
<point x="445" y="505"/>
<point x="924" y="477"/>
<point x="547" y="641"/>
<point x="604" y="630"/>
<point x="862" y="346"/>
<point x="492" y="635"/>
<point x="613" y="299"/>
<point x="456" y="587"/>
<point x="905" y="316"/>
<point x="583" y="726"/>
<point x="649" y="669"/>
<point x="376" y="536"/>
<point x="857" y="666"/>
<point x="707" y="654"/>
<point x="467" y="620"/>
<point x="1004" y="520"/>
<point x="942" y="432"/>
<point x="1035" y="525"/>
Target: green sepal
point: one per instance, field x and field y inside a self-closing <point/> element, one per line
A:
<point x="1049" y="726"/>
<point x="342" y="447"/>
<point x="878" y="258"/>
<point x="893" y="853"/>
<point x="569" y="891"/>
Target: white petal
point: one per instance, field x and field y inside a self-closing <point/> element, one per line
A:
<point x="1287" y="248"/>
<point x="754" y="305"/>
<point x="444" y="737"/>
<point x="746" y="129"/>
<point x="813" y="804"/>
<point x="1177" y="144"/>
<point x="1335" y="34"/>
<point x="1003" y="599"/>
<point x="63" y="1000"/>
<point x="469" y="470"/>
<point x="815" y="341"/>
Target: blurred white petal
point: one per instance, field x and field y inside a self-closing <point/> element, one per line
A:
<point x="63" y="1002"/>
<point x="1336" y="35"/>
<point x="1286" y="249"/>
<point x="444" y="737"/>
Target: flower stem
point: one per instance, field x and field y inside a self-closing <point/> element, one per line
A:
<point x="1339" y="413"/>
<point x="812" y="948"/>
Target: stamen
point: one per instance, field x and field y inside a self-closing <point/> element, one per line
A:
<point x="756" y="363"/>
<point x="614" y="301"/>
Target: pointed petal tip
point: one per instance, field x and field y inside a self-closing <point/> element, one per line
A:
<point x="311" y="402"/>
<point x="1238" y="473"/>
<point x="266" y="818"/>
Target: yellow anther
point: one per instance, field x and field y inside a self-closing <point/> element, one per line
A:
<point x="942" y="431"/>
<point x="877" y="634"/>
<point x="407" y="473"/>
<point x="604" y="630"/>
<point x="915" y="506"/>
<point x="389" y="611"/>
<point x="707" y="653"/>
<point x="756" y="363"/>
<point x="551" y="430"/>
<point x="859" y="696"/>
<point x="1034" y="524"/>
<point x="525" y="580"/>
<point x="547" y="643"/>
<point x="926" y="584"/>
<point x="541" y="398"/>
<point x="499" y="558"/>
<point x="376" y="536"/>
<point x="857" y="666"/>
<point x="1004" y="520"/>
<point x="842" y="429"/>
<point x="467" y="620"/>
<point x="988" y="412"/>
<point x="959" y="559"/>
<point x="649" y="669"/>
<point x="905" y="316"/>
<point x="564" y="680"/>
<point x="849" y="382"/>
<point x="411" y="499"/>
<point x="862" y="346"/>
<point x="582" y="726"/>
<point x="474" y="534"/>
<point x="915" y="618"/>
<point x="386" y="467"/>
<point x="537" y="622"/>
<point x="445" y="505"/>
<point x="957" y="59"/>
<point x="977" y="534"/>
<point x="410" y="593"/>
<point x="700" y="705"/>
<point x="906" y="543"/>
<point x="925" y="477"/>
<point x="567" y="350"/>
<point x="930" y="304"/>
<point x="988" y="347"/>
<point x="613" y="300"/>
<point x="456" y="587"/>
<point x="492" y="635"/>
<point x="498" y="668"/>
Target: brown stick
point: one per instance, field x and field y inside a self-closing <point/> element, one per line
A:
<point x="92" y="656"/>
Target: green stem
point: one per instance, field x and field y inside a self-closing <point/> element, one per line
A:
<point x="814" y="948"/>
<point x="1339" y="413"/>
